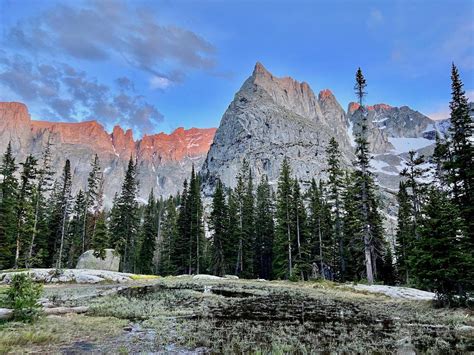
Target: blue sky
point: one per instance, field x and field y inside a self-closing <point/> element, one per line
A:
<point x="157" y="65"/>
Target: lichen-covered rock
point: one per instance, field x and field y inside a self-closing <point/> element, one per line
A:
<point x="111" y="262"/>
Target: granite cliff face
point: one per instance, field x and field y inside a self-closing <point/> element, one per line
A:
<point x="164" y="160"/>
<point x="272" y="118"/>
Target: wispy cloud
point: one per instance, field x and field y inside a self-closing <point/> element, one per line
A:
<point x="68" y="94"/>
<point x="375" y="19"/>
<point x="35" y="50"/>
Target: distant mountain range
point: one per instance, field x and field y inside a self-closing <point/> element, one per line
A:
<point x="270" y="118"/>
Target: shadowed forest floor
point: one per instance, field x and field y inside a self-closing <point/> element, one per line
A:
<point x="227" y="316"/>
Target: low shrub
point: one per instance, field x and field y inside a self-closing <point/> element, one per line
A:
<point x="22" y="296"/>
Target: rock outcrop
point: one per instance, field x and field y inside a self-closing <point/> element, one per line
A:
<point x="164" y="160"/>
<point x="88" y="260"/>
<point x="272" y="118"/>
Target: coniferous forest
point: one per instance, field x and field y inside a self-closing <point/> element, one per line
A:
<point x="296" y="230"/>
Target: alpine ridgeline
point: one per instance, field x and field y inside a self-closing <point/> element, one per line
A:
<point x="164" y="160"/>
<point x="272" y="118"/>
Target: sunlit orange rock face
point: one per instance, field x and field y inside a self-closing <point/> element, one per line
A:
<point x="164" y="160"/>
<point x="353" y="106"/>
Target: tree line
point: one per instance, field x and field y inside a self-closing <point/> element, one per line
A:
<point x="331" y="229"/>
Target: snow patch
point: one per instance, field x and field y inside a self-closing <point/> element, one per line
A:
<point x="404" y="145"/>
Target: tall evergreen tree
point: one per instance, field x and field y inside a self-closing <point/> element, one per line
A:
<point x="183" y="248"/>
<point x="169" y="238"/>
<point x="60" y="216"/>
<point x="283" y="253"/>
<point x="195" y="213"/>
<point x="74" y="244"/>
<point x="218" y="224"/>
<point x="149" y="232"/>
<point x="8" y="208"/>
<point x="299" y="226"/>
<point x="442" y="260"/>
<point x="38" y="243"/>
<point x="100" y="239"/>
<point x="264" y="230"/>
<point x="125" y="221"/>
<point x="363" y="175"/>
<point x="414" y="174"/>
<point x="25" y="206"/>
<point x="92" y="202"/>
<point x="335" y="186"/>
<point x="405" y="233"/>
<point x="461" y="165"/>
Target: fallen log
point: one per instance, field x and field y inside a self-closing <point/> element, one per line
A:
<point x="6" y="313"/>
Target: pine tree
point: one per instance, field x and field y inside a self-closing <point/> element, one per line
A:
<point x="264" y="230"/>
<point x="60" y="217"/>
<point x="100" y="239"/>
<point x="284" y="239"/>
<point x="335" y="186"/>
<point x="25" y="206"/>
<point x="218" y="224"/>
<point x="74" y="244"/>
<point x="405" y="233"/>
<point x="149" y="232"/>
<point x="301" y="242"/>
<point x="248" y="226"/>
<point x="37" y="248"/>
<point x="442" y="260"/>
<point x="91" y="207"/>
<point x="194" y="229"/>
<point x="8" y="208"/>
<point x="363" y="177"/>
<point x="320" y="225"/>
<point x="234" y="232"/>
<point x="125" y="221"/>
<point x="169" y="238"/>
<point x="414" y="174"/>
<point x="461" y="165"/>
<point x="182" y="249"/>
<point x="352" y="229"/>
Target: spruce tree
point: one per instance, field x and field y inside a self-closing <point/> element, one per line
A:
<point x="25" y="206"/>
<point x="74" y="245"/>
<point x="8" y="208"/>
<point x="100" y="239"/>
<point x="248" y="227"/>
<point x="37" y="248"/>
<point x="414" y="175"/>
<point x="335" y="187"/>
<point x="461" y="165"/>
<point x="264" y="230"/>
<point x="60" y="217"/>
<point x="218" y="224"/>
<point x="442" y="260"/>
<point x="183" y="248"/>
<point x="283" y="253"/>
<point x="169" y="233"/>
<point x="405" y="234"/>
<point x="91" y="207"/>
<point x="149" y="233"/>
<point x="125" y="221"/>
<point x="301" y="240"/>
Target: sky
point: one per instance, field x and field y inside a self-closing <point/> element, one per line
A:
<point x="157" y="65"/>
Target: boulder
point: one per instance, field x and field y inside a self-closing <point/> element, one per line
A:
<point x="111" y="261"/>
<point x="206" y="277"/>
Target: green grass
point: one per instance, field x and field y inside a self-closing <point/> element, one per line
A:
<point x="50" y="333"/>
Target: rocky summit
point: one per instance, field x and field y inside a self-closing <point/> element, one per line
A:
<point x="272" y="118"/>
<point x="164" y="160"/>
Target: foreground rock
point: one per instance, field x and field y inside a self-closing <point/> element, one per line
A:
<point x="111" y="262"/>
<point x="397" y="292"/>
<point x="82" y="276"/>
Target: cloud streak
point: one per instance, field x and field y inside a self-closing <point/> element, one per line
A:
<point x="71" y="95"/>
<point x="111" y="29"/>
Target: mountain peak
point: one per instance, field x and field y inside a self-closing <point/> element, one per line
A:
<point x="325" y="94"/>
